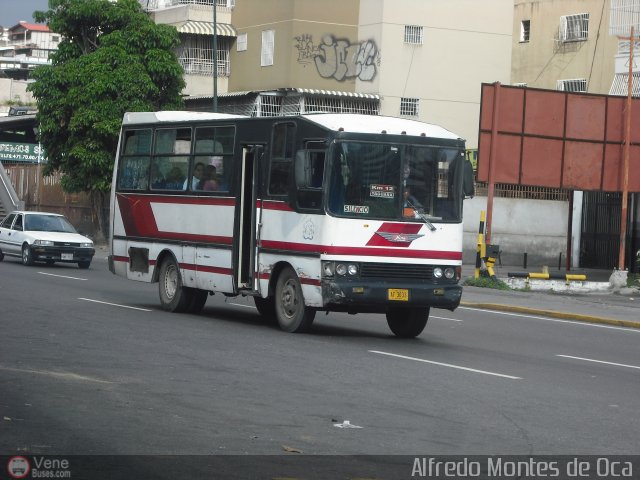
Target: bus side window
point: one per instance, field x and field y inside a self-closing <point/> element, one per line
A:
<point x="134" y="161"/>
<point x="282" y="147"/>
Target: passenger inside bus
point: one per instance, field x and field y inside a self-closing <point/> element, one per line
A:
<point x="209" y="180"/>
<point x="175" y="179"/>
<point x="198" y="172"/>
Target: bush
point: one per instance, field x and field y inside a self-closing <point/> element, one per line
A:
<point x="486" y="282"/>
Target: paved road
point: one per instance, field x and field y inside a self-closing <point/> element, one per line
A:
<point x="90" y="365"/>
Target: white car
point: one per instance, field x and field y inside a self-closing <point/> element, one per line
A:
<point x="43" y="237"/>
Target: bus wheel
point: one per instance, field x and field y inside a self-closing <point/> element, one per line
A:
<point x="407" y="323"/>
<point x="173" y="296"/>
<point x="266" y="307"/>
<point x="198" y="299"/>
<point x="292" y="314"/>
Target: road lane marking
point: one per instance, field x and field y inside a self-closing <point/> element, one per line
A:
<point x="445" y="318"/>
<point x="115" y="304"/>
<point x="549" y="319"/>
<point x="240" y="305"/>
<point x="61" y="375"/>
<point x="63" y="276"/>
<point x="484" y="372"/>
<point x="599" y="361"/>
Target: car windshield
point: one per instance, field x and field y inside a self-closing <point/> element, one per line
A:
<point x="392" y="181"/>
<point x="48" y="223"/>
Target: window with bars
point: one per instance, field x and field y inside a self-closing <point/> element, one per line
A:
<point x="525" y="30"/>
<point x="413" y="34"/>
<point x="195" y="55"/>
<point x="574" y="28"/>
<point x="409" y="107"/>
<point x="241" y="42"/>
<point x="573" y="85"/>
<point x="268" y="43"/>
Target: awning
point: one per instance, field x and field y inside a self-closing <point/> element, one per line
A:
<point x="206" y="28"/>
<point x="620" y="84"/>
<point x="335" y="93"/>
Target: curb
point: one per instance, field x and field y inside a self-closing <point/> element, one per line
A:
<point x="552" y="313"/>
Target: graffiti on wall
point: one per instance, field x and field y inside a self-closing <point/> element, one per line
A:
<point x="339" y="58"/>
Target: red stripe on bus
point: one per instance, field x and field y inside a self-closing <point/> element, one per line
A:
<point x="274" y="205"/>
<point x="397" y="228"/>
<point x="361" y="251"/>
<point x="206" y="268"/>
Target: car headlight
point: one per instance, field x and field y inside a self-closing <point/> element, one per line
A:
<point x="437" y="272"/>
<point x="43" y="243"/>
<point x="86" y="244"/>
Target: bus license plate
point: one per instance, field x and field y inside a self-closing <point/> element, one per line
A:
<point x="398" y="294"/>
<point x="67" y="256"/>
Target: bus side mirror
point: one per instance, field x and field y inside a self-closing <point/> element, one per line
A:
<point x="468" y="184"/>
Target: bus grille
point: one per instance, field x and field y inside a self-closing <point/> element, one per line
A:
<point x="394" y="270"/>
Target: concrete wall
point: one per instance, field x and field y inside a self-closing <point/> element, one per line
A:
<point x="14" y="91"/>
<point x="537" y="227"/>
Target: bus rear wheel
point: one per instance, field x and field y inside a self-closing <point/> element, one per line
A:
<point x="174" y="297"/>
<point x="292" y="314"/>
<point x="407" y="322"/>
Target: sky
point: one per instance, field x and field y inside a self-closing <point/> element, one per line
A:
<point x="12" y="11"/>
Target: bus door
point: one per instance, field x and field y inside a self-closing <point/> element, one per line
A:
<point x="248" y="219"/>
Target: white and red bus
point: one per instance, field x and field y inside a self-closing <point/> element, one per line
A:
<point x="319" y="212"/>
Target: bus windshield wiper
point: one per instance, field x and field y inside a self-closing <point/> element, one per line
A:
<point x="420" y="213"/>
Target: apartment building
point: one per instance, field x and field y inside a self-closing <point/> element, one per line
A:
<point x="26" y="46"/>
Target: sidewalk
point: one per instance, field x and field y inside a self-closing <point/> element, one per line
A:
<point x="591" y="301"/>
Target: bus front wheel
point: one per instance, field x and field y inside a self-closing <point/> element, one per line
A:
<point x="292" y="314"/>
<point x="174" y="297"/>
<point x="407" y="322"/>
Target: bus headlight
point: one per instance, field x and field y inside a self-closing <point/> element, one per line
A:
<point x="352" y="269"/>
<point x="437" y="272"/>
<point x="341" y="269"/>
<point x="328" y="269"/>
<point x="449" y="273"/>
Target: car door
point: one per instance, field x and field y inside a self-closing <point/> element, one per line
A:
<point x="17" y="234"/>
<point x="6" y="234"/>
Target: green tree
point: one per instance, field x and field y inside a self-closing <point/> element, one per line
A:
<point x="112" y="59"/>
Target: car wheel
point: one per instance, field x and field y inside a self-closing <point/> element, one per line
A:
<point x="174" y="297"/>
<point x="407" y="322"/>
<point x="198" y="299"/>
<point x="83" y="265"/>
<point x="292" y="314"/>
<point x="27" y="256"/>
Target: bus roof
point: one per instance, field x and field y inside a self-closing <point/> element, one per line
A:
<point x="355" y="123"/>
<point x="348" y="122"/>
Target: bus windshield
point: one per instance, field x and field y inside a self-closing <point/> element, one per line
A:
<point x="395" y="182"/>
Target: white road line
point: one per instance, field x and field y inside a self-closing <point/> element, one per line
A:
<point x="549" y="319"/>
<point x="446" y="365"/>
<point x="115" y="304"/>
<point x="61" y="375"/>
<point x="599" y="361"/>
<point x="63" y="276"/>
<point x="240" y="305"/>
<point x="445" y="318"/>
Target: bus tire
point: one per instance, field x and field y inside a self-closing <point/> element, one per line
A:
<point x="198" y="299"/>
<point x="174" y="297"/>
<point x="266" y="307"/>
<point x="292" y="314"/>
<point x="407" y="322"/>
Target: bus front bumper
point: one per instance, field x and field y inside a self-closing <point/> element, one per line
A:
<point x="377" y="297"/>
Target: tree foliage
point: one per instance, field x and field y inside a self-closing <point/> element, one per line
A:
<point x="112" y="59"/>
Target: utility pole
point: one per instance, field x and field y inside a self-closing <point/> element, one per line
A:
<point x="215" y="56"/>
